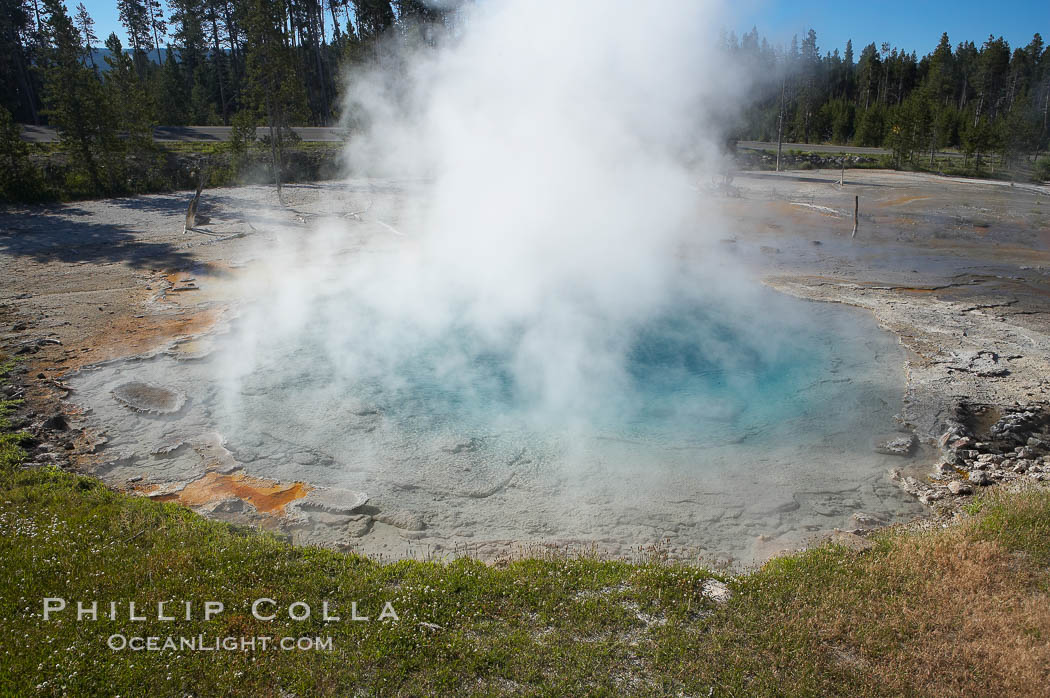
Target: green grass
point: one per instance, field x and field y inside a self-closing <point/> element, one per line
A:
<point x="173" y="166"/>
<point x="896" y="619"/>
<point x="1021" y="523"/>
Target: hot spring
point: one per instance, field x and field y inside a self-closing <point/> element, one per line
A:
<point x="723" y="424"/>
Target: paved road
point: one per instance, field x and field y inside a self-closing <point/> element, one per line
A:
<point x="812" y="148"/>
<point x="43" y="134"/>
<point x="834" y="149"/>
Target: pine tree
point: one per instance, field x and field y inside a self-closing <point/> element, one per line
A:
<point x="19" y="42"/>
<point x="86" y="25"/>
<point x="126" y="89"/>
<point x="155" y="15"/>
<point x="941" y="76"/>
<point x="171" y="95"/>
<point x="76" y="105"/>
<point x="273" y="88"/>
<point x="135" y="18"/>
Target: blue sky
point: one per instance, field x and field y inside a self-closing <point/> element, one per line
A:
<point x="912" y="25"/>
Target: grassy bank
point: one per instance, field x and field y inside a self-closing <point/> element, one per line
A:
<point x="1022" y="170"/>
<point x="960" y="610"/>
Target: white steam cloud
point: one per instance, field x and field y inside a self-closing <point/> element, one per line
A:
<point x="552" y="151"/>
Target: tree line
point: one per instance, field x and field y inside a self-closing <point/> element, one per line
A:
<point x="279" y="63"/>
<point x="981" y="99"/>
<point x="244" y="63"/>
<point x="201" y="62"/>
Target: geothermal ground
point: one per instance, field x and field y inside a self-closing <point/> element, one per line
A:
<point x="102" y="298"/>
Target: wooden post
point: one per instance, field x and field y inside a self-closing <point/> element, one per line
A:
<point x="843" y="172"/>
<point x="856" y="207"/>
<point x="191" y="212"/>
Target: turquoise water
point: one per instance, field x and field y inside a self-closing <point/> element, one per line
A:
<point x="693" y="374"/>
<point x="725" y="423"/>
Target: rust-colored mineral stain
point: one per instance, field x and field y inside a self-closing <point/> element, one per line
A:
<point x="903" y="200"/>
<point x="125" y="336"/>
<point x="267" y="496"/>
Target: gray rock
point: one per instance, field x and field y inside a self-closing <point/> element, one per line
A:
<point x="931" y="495"/>
<point x="56" y="422"/>
<point x="982" y="363"/>
<point x="959" y="488"/>
<point x="864" y="520"/>
<point x="716" y="591"/>
<point x="896" y="446"/>
<point x="979" y="477"/>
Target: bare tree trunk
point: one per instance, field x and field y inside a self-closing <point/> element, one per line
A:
<point x="27" y="86"/>
<point x="39" y="22"/>
<point x="780" y="124"/>
<point x="156" y="34"/>
<point x="1046" y="104"/>
<point x="218" y="68"/>
<point x="335" y="22"/>
<point x="318" y="40"/>
<point x="275" y="151"/>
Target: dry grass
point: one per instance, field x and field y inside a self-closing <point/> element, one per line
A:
<point x="976" y="619"/>
<point x="957" y="611"/>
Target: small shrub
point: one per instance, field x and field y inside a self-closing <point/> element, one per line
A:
<point x="20" y="178"/>
<point x="1042" y="169"/>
